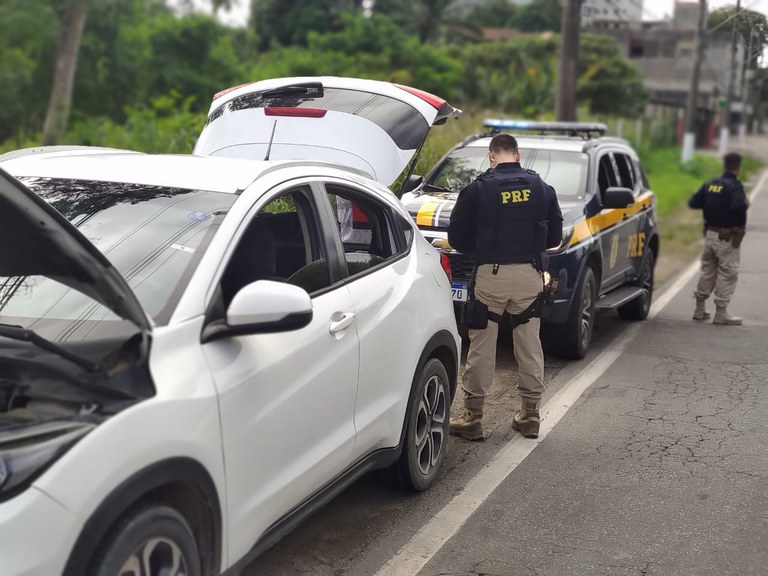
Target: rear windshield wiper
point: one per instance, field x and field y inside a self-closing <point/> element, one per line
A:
<point x="25" y="335"/>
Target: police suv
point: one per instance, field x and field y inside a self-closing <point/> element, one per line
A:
<point x="610" y="235"/>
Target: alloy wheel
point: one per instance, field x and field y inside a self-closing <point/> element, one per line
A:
<point x="587" y="310"/>
<point x="430" y="424"/>
<point x="156" y="557"/>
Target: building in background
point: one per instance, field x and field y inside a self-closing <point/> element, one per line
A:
<point x="664" y="52"/>
<point x="594" y="11"/>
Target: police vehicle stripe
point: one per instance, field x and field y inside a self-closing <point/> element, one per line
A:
<point x="426" y="214"/>
<point x="606" y="219"/>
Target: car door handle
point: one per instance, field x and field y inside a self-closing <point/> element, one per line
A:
<point x="346" y="320"/>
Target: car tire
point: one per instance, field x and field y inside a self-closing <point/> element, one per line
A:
<point x="426" y="430"/>
<point x="639" y="308"/>
<point x="572" y="339"/>
<point x="154" y="540"/>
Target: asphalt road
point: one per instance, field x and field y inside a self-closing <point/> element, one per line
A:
<point x="658" y="468"/>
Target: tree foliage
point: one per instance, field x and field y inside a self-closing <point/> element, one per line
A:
<point x="748" y="23"/>
<point x="288" y="22"/>
<point x="430" y="20"/>
<point x="141" y="64"/>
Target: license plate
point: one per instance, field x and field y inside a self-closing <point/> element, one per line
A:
<point x="460" y="292"/>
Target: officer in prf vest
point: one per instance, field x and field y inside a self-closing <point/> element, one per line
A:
<point x="725" y="218"/>
<point x="506" y="219"/>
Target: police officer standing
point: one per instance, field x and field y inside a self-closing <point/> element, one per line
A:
<point x="725" y="218"/>
<point x="506" y="219"/>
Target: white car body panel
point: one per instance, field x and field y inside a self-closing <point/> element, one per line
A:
<point x="271" y="418"/>
<point x="286" y="403"/>
<point x="348" y="138"/>
<point x="377" y="156"/>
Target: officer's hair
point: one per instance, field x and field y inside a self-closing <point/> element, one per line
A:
<point x="503" y="143"/>
<point x="732" y="161"/>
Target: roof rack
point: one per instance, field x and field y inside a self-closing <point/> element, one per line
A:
<point x="583" y="129"/>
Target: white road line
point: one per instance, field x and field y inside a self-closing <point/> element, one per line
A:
<point x="760" y="185"/>
<point x="434" y="534"/>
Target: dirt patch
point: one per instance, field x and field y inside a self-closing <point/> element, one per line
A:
<point x="681" y="243"/>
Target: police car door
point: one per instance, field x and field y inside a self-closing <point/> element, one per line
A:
<point x="633" y="216"/>
<point x="614" y="227"/>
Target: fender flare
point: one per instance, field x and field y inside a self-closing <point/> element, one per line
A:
<point x="131" y="491"/>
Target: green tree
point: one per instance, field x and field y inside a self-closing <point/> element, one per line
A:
<point x="71" y="26"/>
<point x="430" y="20"/>
<point x="608" y="83"/>
<point x="288" y="22"/>
<point x="374" y="48"/>
<point x="539" y="16"/>
<point x="494" y="14"/>
<point x="748" y="22"/>
<point x="28" y="32"/>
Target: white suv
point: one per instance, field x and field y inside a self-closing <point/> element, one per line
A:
<point x="193" y="358"/>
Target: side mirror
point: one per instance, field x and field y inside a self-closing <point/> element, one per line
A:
<point x="617" y="197"/>
<point x="263" y="307"/>
<point x="413" y="182"/>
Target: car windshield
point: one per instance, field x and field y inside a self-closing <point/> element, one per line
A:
<point x="154" y="236"/>
<point x="566" y="172"/>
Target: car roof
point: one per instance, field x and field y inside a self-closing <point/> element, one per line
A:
<point x="215" y="174"/>
<point x="547" y="142"/>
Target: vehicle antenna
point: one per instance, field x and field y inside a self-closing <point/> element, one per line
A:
<point x="271" y="138"/>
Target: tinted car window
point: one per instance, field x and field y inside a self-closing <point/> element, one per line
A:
<point x="154" y="236"/>
<point x="281" y="243"/>
<point x="565" y="171"/>
<point x="626" y="171"/>
<point x="366" y="229"/>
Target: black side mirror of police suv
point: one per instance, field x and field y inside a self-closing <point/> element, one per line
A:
<point x="617" y="197"/>
<point x="413" y="182"/>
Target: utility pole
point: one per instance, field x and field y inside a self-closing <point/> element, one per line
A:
<point x="746" y="61"/>
<point x="565" y="107"/>
<point x="725" y="113"/>
<point x="689" y="140"/>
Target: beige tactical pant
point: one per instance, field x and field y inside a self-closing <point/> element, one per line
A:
<point x="513" y="288"/>
<point x="719" y="269"/>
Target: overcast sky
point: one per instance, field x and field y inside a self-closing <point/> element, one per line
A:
<point x="652" y="9"/>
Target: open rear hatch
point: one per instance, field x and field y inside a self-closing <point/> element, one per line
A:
<point x="372" y="126"/>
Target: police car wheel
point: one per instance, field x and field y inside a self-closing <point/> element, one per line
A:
<point x="426" y="430"/>
<point x="152" y="541"/>
<point x="575" y="335"/>
<point x="639" y="308"/>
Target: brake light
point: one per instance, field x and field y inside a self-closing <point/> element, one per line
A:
<point x="295" y="112"/>
<point x="430" y="99"/>
<point x="446" y="263"/>
<point x="228" y="90"/>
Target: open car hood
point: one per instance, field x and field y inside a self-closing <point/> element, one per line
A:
<point x="371" y="126"/>
<point x="35" y="240"/>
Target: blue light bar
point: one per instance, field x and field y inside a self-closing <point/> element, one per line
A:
<point x="567" y="128"/>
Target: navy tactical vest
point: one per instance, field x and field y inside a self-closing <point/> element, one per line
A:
<point x="717" y="204"/>
<point x="512" y="217"/>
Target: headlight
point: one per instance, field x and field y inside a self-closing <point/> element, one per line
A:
<point x="567" y="235"/>
<point x="27" y="453"/>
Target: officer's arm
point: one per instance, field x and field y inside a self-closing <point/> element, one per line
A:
<point x="554" y="220"/>
<point x="697" y="200"/>
<point x="462" y="227"/>
<point x="739" y="202"/>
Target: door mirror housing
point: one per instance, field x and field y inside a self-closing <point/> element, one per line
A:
<point x="263" y="307"/>
<point x="617" y="197"/>
<point x="413" y="182"/>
